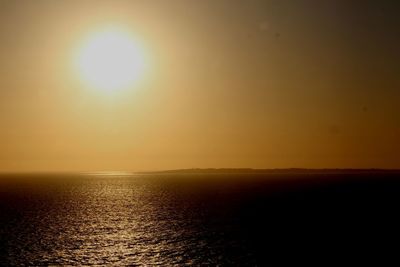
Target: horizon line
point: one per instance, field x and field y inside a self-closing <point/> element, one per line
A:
<point x="193" y="170"/>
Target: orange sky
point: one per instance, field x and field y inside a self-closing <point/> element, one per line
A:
<point x="231" y="84"/>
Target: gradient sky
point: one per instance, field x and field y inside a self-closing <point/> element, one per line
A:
<point x="262" y="84"/>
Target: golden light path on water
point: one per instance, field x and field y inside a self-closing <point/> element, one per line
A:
<point x="114" y="219"/>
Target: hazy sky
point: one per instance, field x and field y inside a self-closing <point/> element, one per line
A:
<point x="263" y="84"/>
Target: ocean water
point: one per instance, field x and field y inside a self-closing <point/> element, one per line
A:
<point x="196" y="219"/>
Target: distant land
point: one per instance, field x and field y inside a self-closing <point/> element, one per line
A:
<point x="272" y="171"/>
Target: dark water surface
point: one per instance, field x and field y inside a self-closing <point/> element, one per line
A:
<point x="198" y="219"/>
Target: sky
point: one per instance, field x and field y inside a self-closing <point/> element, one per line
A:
<point x="230" y="84"/>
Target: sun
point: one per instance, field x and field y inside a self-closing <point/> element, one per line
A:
<point x="110" y="60"/>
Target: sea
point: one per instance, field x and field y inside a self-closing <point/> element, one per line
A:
<point x="236" y="218"/>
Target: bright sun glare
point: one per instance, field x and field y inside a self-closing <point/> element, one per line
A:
<point x="110" y="60"/>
